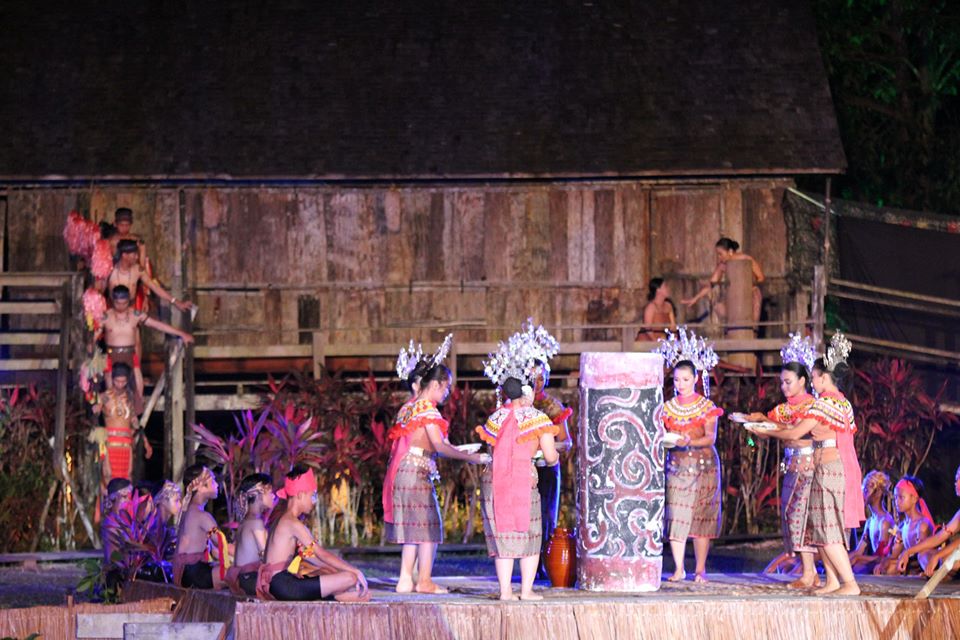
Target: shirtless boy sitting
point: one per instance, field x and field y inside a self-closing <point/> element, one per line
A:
<point x="199" y="540"/>
<point x="255" y="499"/>
<point x="290" y="544"/>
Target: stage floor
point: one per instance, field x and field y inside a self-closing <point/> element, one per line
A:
<point x="720" y="585"/>
<point x="730" y="606"/>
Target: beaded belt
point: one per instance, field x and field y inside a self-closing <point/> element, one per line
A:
<point x="424" y="460"/>
<point x="798" y="451"/>
<point x="825" y="444"/>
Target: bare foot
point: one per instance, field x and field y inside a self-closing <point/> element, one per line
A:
<point x="827" y="589"/>
<point x="531" y="596"/>
<point x="404" y="585"/>
<point x="701" y="577"/>
<point x="804" y="583"/>
<point x="848" y="589"/>
<point x="352" y="596"/>
<point x="678" y="576"/>
<point x="508" y="596"/>
<point x="431" y="587"/>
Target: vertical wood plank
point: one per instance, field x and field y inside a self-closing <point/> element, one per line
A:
<point x="575" y="235"/>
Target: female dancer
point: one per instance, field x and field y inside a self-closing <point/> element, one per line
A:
<point x="659" y="313"/>
<point x="727" y="250"/>
<point x="693" y="466"/>
<point x="511" y="502"/>
<point x="797" y="464"/>
<point x="877" y="539"/>
<point x="412" y="514"/>
<point x="836" y="503"/>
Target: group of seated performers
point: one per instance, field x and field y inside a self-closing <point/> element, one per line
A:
<point x="279" y="562"/>
<point x="907" y="542"/>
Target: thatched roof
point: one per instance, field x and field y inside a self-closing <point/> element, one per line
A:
<point x="414" y="89"/>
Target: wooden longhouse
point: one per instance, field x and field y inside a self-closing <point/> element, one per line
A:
<point x="331" y="182"/>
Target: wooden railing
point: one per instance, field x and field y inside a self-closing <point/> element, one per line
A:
<point x="905" y="301"/>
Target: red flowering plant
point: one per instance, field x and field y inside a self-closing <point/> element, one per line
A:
<point x="236" y="455"/>
<point x="897" y="419"/>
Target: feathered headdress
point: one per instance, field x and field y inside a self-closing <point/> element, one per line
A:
<point x="799" y="349"/>
<point x="838" y="351"/>
<point x="515" y="358"/>
<point x="681" y="346"/>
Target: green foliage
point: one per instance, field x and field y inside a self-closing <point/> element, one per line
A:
<point x="894" y="70"/>
<point x="897" y="419"/>
<point x="26" y="468"/>
<point x="94" y="584"/>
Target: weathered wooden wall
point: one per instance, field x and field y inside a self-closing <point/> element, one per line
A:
<point x="366" y="262"/>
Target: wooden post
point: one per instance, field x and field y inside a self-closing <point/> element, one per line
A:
<point x="452" y="359"/>
<point x="826" y="230"/>
<point x="63" y="373"/>
<point x="739" y="304"/>
<point x="190" y="397"/>
<point x="175" y="410"/>
<point x="3" y="236"/>
<point x="319" y="347"/>
<point x="187" y="367"/>
<point x="168" y="416"/>
<point x="817" y="302"/>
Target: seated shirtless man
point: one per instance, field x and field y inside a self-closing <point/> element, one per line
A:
<point x="290" y="545"/>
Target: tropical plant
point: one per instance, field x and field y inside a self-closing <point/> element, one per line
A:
<point x="36" y="509"/>
<point x="897" y="419"/>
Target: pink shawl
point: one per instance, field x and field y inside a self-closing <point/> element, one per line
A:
<point x="511" y="478"/>
<point x="853" y="506"/>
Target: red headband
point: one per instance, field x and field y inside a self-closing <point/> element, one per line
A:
<point x="921" y="503"/>
<point x="306" y="483"/>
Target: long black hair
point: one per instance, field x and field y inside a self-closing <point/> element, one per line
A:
<point x="436" y="373"/>
<point x="839" y="375"/>
<point x="653" y="287"/>
<point x="727" y="244"/>
<point x="801" y="372"/>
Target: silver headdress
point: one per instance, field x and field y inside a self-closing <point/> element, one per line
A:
<point x="411" y="356"/>
<point x="838" y="351"/>
<point x="799" y="349"/>
<point x="407" y="360"/>
<point x="681" y="346"/>
<point x="542" y="337"/>
<point x="443" y="350"/>
<point x="514" y="358"/>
